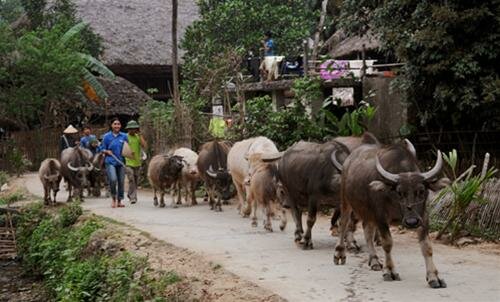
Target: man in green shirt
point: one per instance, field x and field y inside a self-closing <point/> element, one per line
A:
<point x="133" y="165"/>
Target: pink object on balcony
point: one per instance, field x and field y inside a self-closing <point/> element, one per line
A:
<point x="333" y="69"/>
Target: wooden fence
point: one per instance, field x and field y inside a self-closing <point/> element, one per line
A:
<point x="35" y="145"/>
<point x="486" y="217"/>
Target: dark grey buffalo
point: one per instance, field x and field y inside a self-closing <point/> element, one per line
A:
<point x="50" y="176"/>
<point x="98" y="177"/>
<point x="309" y="179"/>
<point x="212" y="166"/>
<point x="384" y="185"/>
<point x="75" y="168"/>
<point x="164" y="170"/>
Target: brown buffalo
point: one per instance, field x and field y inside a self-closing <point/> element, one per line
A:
<point x="237" y="163"/>
<point x="50" y="176"/>
<point x="189" y="175"/>
<point x="212" y="166"/>
<point x="384" y="185"/>
<point x="163" y="171"/>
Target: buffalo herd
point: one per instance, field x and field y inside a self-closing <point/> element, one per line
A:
<point x="361" y="179"/>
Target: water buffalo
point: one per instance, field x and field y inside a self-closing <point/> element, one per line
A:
<point x="212" y="166"/>
<point x="50" y="176"/>
<point x="189" y="175"/>
<point x="238" y="164"/>
<point x="262" y="182"/>
<point x="75" y="168"/>
<point x="98" y="177"/>
<point x="309" y="179"/>
<point x="163" y="171"/>
<point x="384" y="185"/>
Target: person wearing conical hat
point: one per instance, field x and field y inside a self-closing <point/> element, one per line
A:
<point x="133" y="165"/>
<point x="69" y="138"/>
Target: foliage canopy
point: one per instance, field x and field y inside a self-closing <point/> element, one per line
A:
<point x="451" y="53"/>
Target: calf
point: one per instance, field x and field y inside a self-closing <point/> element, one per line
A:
<point x="262" y="182"/>
<point x="50" y="176"/>
<point x="163" y="171"/>
<point x="384" y="185"/>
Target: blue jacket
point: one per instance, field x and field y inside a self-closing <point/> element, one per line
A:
<point x="115" y="144"/>
<point x="85" y="141"/>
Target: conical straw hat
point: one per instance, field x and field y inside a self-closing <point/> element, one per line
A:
<point x="70" y="130"/>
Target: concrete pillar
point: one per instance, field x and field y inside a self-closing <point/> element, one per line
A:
<point x="391" y="112"/>
<point x="278" y="98"/>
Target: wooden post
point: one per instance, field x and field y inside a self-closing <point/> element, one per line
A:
<point x="175" y="71"/>
<point x="363" y="68"/>
<point x="306" y="58"/>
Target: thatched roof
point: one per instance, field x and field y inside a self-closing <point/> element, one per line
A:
<point x="136" y="32"/>
<point x="124" y="98"/>
<point x="343" y="45"/>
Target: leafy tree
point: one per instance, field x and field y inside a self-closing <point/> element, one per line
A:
<point x="451" y="52"/>
<point x="41" y="72"/>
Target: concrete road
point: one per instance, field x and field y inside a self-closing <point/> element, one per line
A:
<point x="273" y="261"/>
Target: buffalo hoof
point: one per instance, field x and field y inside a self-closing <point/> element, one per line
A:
<point x="225" y="202"/>
<point x="339" y="259"/>
<point x="353" y="247"/>
<point x="194" y="202"/>
<point x="282" y="226"/>
<point x="391" y="276"/>
<point x="179" y="202"/>
<point x="254" y="223"/>
<point x="307" y="245"/>
<point x="162" y="205"/>
<point x="439" y="283"/>
<point x="376" y="267"/>
<point x="268" y="227"/>
<point x="155" y="203"/>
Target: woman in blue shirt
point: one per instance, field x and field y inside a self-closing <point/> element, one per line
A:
<point x="112" y="145"/>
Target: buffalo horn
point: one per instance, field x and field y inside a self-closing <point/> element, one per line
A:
<point x="89" y="166"/>
<point x="72" y="168"/>
<point x="271" y="156"/>
<point x="211" y="172"/>
<point x="436" y="169"/>
<point x="335" y="161"/>
<point x="385" y="174"/>
<point x="410" y="147"/>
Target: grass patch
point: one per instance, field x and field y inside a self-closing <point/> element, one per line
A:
<point x="13" y="197"/>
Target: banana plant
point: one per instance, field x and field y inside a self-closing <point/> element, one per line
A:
<point x="92" y="88"/>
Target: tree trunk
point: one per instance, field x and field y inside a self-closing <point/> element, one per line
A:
<point x="175" y="68"/>
<point x="319" y="29"/>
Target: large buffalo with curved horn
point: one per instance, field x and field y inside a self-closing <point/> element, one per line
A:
<point x="50" y="176"/>
<point x="212" y="166"/>
<point x="75" y="168"/>
<point x="384" y="185"/>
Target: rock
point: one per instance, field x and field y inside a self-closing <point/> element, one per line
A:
<point x="4" y="187"/>
<point x="465" y="241"/>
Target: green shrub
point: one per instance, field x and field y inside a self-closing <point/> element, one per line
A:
<point x="69" y="214"/>
<point x="4" y="177"/>
<point x="51" y="247"/>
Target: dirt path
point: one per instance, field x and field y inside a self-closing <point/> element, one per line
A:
<point x="272" y="261"/>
